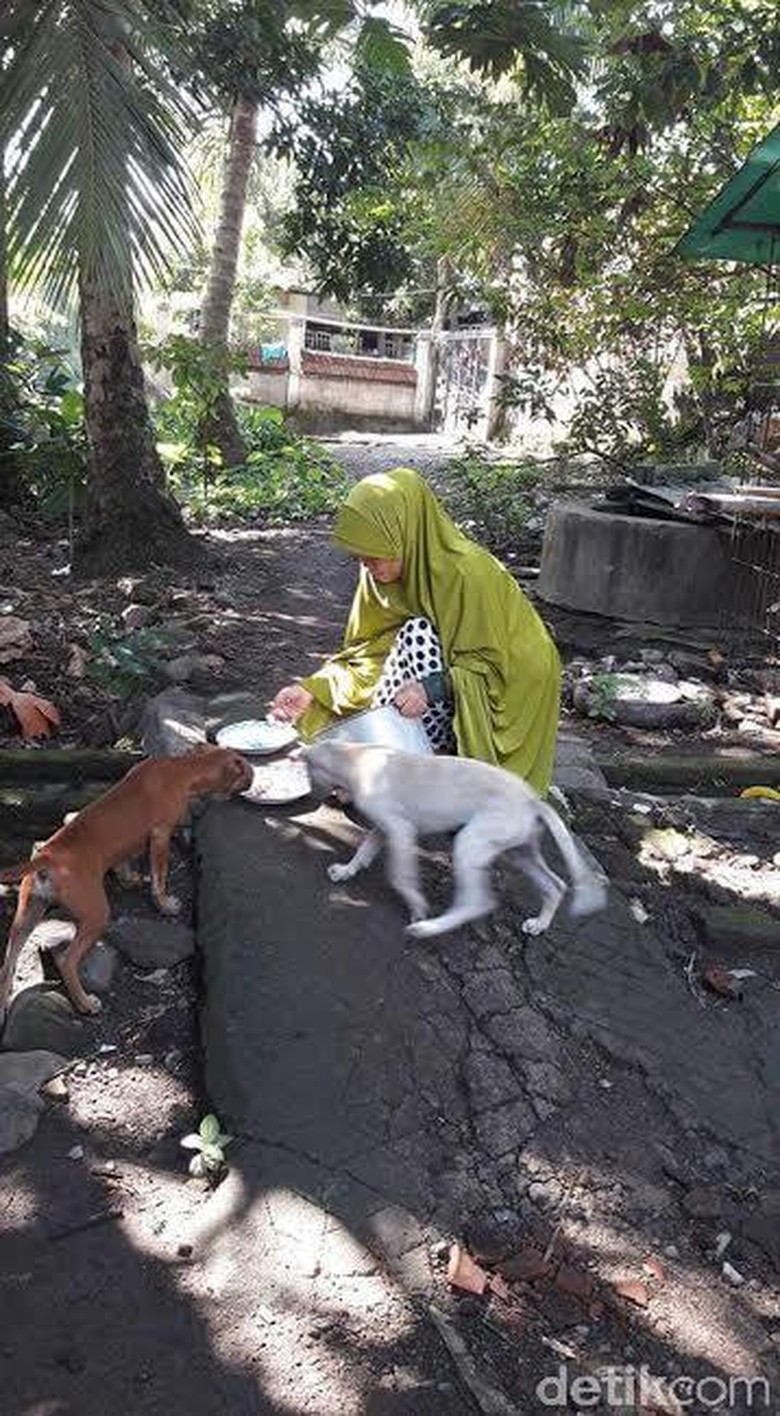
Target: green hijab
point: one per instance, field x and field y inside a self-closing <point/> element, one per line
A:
<point x="502" y="663"/>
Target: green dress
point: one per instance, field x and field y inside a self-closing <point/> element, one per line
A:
<point x="503" y="665"/>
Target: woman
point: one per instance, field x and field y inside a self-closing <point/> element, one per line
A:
<point x="438" y="627"/>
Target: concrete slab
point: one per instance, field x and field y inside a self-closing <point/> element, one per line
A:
<point x="634" y="568"/>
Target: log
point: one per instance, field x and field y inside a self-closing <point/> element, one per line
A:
<point x="737" y="770"/>
<point x="70" y="764"/>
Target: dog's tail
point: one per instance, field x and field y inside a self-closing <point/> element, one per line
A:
<point x="589" y="889"/>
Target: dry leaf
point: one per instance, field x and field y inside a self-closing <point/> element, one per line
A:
<point x="77" y="661"/>
<point x="37" y="717"/>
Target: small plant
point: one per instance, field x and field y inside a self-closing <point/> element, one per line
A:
<point x="603" y="690"/>
<point x="208" y="1143"/>
<point x="123" y="661"/>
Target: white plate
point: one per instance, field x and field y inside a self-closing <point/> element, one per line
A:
<point x="275" y="783"/>
<point x="258" y="735"/>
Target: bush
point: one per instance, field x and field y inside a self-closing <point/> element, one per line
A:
<point x="491" y="500"/>
<point x="286" y="477"/>
<point x="42" y="426"/>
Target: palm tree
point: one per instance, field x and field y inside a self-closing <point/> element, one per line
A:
<point x="96" y="202"/>
<point x="253" y="53"/>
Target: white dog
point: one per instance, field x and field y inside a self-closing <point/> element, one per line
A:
<point x="405" y="795"/>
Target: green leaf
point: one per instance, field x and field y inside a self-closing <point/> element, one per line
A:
<point x="209" y="1129"/>
<point x="191" y="1142"/>
<point x="383" y="47"/>
<point x="212" y="1155"/>
<point x="198" y="1166"/>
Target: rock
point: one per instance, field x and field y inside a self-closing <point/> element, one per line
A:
<point x="491" y="1239"/>
<point x="545" y="1195"/>
<point x="643" y="700"/>
<point x="96" y="971"/>
<point x="526" y="1266"/>
<point x="152" y="943"/>
<point x="137" y="589"/>
<point x="705" y="1202"/>
<point x="21" y="1076"/>
<point x="575" y="767"/>
<point x="197" y="669"/>
<point x="43" y="1018"/>
<point x="19" y="1117"/>
<point x="54" y="1090"/>
<point x="738" y="926"/>
<point x="234" y="708"/>
<point x="665" y="843"/>
<point x="15" y="638"/>
<point x="173" y="722"/>
<point x="136" y="616"/>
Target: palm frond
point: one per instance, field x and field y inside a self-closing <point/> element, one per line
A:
<point x="93" y="130"/>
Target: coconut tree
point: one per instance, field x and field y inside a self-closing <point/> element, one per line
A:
<point x="258" y="54"/>
<point x="96" y="202"/>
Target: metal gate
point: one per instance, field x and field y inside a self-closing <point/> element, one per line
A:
<point x="463" y="378"/>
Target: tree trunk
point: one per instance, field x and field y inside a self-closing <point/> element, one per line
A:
<point x="443" y="300"/>
<point x="222" y="428"/>
<point x="130" y="522"/>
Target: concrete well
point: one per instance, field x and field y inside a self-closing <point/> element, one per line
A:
<point x="635" y="568"/>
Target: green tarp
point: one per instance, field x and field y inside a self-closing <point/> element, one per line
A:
<point x="742" y="223"/>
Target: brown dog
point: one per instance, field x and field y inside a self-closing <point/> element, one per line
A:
<point x="146" y="806"/>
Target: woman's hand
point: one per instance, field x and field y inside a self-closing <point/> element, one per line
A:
<point x="411" y="700"/>
<point x="291" y="703"/>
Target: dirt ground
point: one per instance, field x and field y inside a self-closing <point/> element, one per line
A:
<point x="93" y="1208"/>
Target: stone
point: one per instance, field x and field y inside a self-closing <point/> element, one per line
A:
<point x="42" y="1018"/>
<point x="235" y="707"/>
<point x="19" y="1117"/>
<point x="22" y="1074"/>
<point x="197" y="669"/>
<point x="526" y="1266"/>
<point x="15" y="638"/>
<point x="738" y="927"/>
<point x="544" y="1194"/>
<point x="135" y="616"/>
<point x="173" y="722"/>
<point x="152" y="943"/>
<point x="490" y="1239"/>
<point x="705" y="1202"/>
<point x="643" y="700"/>
<point x="575" y="767"/>
<point x="96" y="971"/>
